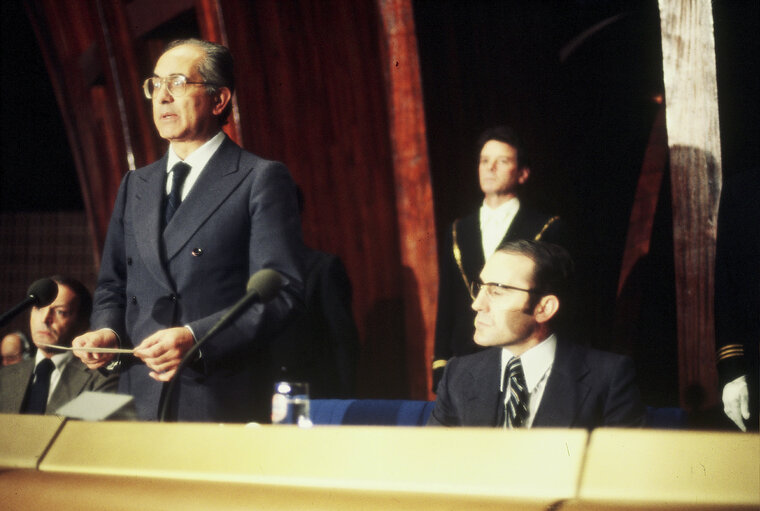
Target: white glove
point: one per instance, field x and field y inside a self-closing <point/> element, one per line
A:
<point x="736" y="401"/>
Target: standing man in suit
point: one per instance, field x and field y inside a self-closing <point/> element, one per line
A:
<point x="53" y="378"/>
<point x="503" y="169"/>
<point x="185" y="235"/>
<point x="528" y="376"/>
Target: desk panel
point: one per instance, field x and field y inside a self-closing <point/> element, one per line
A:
<point x="528" y="469"/>
<point x="651" y="469"/>
<point x="24" y="438"/>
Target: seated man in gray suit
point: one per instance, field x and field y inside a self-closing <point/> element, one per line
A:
<point x="529" y="376"/>
<point x="53" y="378"/>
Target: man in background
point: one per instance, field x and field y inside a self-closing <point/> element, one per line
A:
<point x="321" y="346"/>
<point x="737" y="299"/>
<point x="54" y="377"/>
<point x="14" y="348"/>
<point x="503" y="169"/>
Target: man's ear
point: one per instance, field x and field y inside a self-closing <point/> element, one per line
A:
<point x="546" y="308"/>
<point x="524" y="175"/>
<point x="221" y="99"/>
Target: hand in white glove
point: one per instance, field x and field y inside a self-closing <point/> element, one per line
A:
<point x="736" y="401"/>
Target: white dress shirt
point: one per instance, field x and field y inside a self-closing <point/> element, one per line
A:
<point x="537" y="365"/>
<point x="494" y="223"/>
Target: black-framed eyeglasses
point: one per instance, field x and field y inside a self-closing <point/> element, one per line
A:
<point x="494" y="289"/>
<point x="175" y="84"/>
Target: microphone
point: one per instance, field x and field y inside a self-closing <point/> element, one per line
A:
<point x="41" y="293"/>
<point x="262" y="285"/>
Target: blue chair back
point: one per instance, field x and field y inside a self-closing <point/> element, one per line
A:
<point x="666" y="418"/>
<point x="370" y="412"/>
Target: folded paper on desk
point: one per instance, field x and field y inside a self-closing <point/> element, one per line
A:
<point x="98" y="406"/>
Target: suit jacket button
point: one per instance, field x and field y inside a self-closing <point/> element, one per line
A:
<point x="173" y="298"/>
<point x="197" y="252"/>
<point x="129" y="261"/>
<point x="134" y="300"/>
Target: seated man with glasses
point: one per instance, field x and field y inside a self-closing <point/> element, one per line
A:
<point x="529" y="376"/>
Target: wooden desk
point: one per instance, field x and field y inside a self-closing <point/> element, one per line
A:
<point x="119" y="465"/>
<point x="191" y="466"/>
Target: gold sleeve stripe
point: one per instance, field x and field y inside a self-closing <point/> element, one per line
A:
<point x="458" y="256"/>
<point x="546" y="226"/>
<point x="730" y="351"/>
<point x="437" y="364"/>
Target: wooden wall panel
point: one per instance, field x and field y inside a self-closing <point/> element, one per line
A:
<point x="311" y="95"/>
<point x="414" y="194"/>
<point x="691" y="94"/>
<point x="68" y="40"/>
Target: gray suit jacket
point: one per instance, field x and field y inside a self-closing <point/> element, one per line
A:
<point x="239" y="217"/>
<point x="75" y="379"/>
<point x="586" y="388"/>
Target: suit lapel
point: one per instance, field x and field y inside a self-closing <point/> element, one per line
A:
<point x="470" y="245"/>
<point x="482" y="397"/>
<point x="521" y="226"/>
<point x="565" y="390"/>
<point x="217" y="180"/>
<point x="147" y="212"/>
<point x="17" y="377"/>
<point x="73" y="380"/>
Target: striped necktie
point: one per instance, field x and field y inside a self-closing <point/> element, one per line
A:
<point x="517" y="400"/>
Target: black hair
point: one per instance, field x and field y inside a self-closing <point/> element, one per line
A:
<point x="506" y="135"/>
<point x="84" y="298"/>
<point x="217" y="68"/>
<point x="553" y="273"/>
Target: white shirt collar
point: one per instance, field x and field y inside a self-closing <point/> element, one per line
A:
<point x="501" y="213"/>
<point x="535" y="362"/>
<point x="494" y="224"/>
<point x="197" y="161"/>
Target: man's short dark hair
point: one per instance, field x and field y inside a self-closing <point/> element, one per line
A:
<point x="216" y="68"/>
<point x="84" y="299"/>
<point x="553" y="273"/>
<point x="506" y="135"/>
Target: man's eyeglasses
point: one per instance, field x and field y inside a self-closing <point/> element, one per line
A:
<point x="175" y="84"/>
<point x="494" y="290"/>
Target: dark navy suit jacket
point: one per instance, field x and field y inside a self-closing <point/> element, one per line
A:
<point x="587" y="388"/>
<point x="239" y="217"/>
<point x="454" y="327"/>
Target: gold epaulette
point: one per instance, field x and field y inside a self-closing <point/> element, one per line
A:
<point x="730" y="351"/>
<point x="546" y="226"/>
<point x="458" y="257"/>
<point x="437" y="364"/>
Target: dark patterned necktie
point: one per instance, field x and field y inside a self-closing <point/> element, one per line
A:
<point x="36" y="401"/>
<point x="179" y="174"/>
<point x="517" y="401"/>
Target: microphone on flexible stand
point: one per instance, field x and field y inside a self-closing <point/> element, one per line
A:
<point x="262" y="286"/>
<point x="41" y="293"/>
